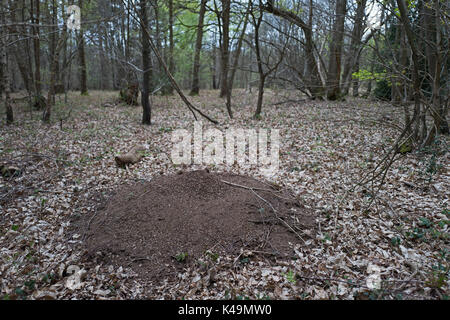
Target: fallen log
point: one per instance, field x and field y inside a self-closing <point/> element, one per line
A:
<point x="132" y="157"/>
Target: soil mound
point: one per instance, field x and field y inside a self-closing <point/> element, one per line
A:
<point x="159" y="226"/>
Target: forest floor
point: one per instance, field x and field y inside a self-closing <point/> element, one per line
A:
<point x="391" y="246"/>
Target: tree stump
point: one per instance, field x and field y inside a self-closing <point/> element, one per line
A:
<point x="130" y="94"/>
<point x="39" y="102"/>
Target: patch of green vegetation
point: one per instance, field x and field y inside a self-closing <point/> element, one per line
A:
<point x="405" y="147"/>
<point x="84" y="160"/>
<point x="181" y="257"/>
<point x="326" y="237"/>
<point x="424" y="222"/>
<point x="20" y="293"/>
<point x="30" y="284"/>
<point x="427" y="230"/>
<point x="214" y="256"/>
<point x="290" y="276"/>
<point x="164" y="130"/>
<point x="49" y="277"/>
<point x="438" y="277"/>
<point x="396" y="241"/>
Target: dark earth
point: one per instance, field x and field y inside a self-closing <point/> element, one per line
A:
<point x="159" y="227"/>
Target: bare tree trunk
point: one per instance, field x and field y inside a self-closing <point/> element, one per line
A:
<point x="356" y="81"/>
<point x="262" y="76"/>
<point x="214" y="64"/>
<point x="63" y="75"/>
<point x="396" y="97"/>
<point x="146" y="65"/>
<point x="127" y="44"/>
<point x="54" y="36"/>
<point x="169" y="89"/>
<point x="352" y="58"/>
<point x="53" y="77"/>
<point x="312" y="76"/>
<point x="236" y="61"/>
<point x="51" y="90"/>
<point x="415" y="70"/>
<point x="195" y="88"/>
<point x="224" y="50"/>
<point x="82" y="57"/>
<point x="4" y="81"/>
<point x="238" y="51"/>
<point x="433" y="56"/>
<point x="334" y="65"/>
<point x="173" y="82"/>
<point x="157" y="33"/>
<point x="37" y="50"/>
<point x="103" y="78"/>
<point x="19" y="46"/>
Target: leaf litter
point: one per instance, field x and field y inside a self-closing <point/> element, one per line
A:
<point x="398" y="240"/>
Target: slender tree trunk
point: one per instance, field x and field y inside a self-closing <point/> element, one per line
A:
<point x="171" y="45"/>
<point x="4" y="83"/>
<point x="158" y="34"/>
<point x="103" y="77"/>
<point x="238" y="52"/>
<point x="415" y="70"/>
<point x="441" y="95"/>
<point x="396" y="97"/>
<point x="224" y="50"/>
<point x="352" y="58"/>
<point x="63" y="75"/>
<point x="236" y="61"/>
<point x="82" y="57"/>
<point x="262" y="76"/>
<point x="19" y="47"/>
<point x="53" y="76"/>
<point x="36" y="47"/>
<point x="29" y="61"/>
<point x="334" y="65"/>
<point x="146" y="65"/>
<point x="127" y="44"/>
<point x="174" y="83"/>
<point x="214" y="66"/>
<point x="356" y="81"/>
<point x="312" y="77"/>
<point x="54" y="71"/>
<point x="433" y="55"/>
<point x="195" y="88"/>
<point x="54" y="36"/>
